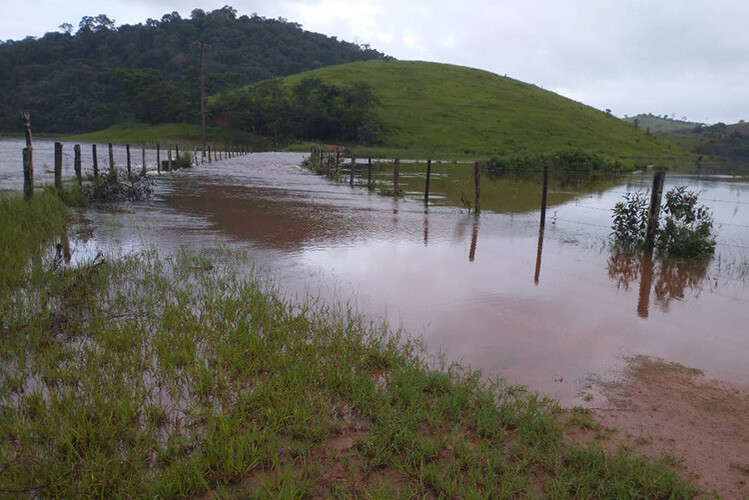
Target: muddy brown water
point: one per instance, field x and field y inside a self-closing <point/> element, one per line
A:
<point x="484" y="290"/>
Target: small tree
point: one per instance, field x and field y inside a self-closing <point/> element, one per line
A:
<point x="686" y="229"/>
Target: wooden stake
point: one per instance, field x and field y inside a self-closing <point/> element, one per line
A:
<point x="28" y="175"/>
<point x="477" y="181"/>
<point x="127" y="150"/>
<point x="95" y="162"/>
<point x="426" y="184"/>
<point x="28" y="157"/>
<point x="353" y="169"/>
<point x="544" y="190"/>
<point x="158" y="158"/>
<point x="77" y="163"/>
<point x="369" y="173"/>
<point x="655" y="208"/>
<point x="111" y="159"/>
<point x="396" y="174"/>
<point x="143" y="167"/>
<point x="58" y="168"/>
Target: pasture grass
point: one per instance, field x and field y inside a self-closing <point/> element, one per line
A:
<point x="431" y="110"/>
<point x="166" y="376"/>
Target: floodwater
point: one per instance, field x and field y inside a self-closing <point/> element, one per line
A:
<point x="547" y="312"/>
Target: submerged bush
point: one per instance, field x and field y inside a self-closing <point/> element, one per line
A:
<point x="685" y="231"/>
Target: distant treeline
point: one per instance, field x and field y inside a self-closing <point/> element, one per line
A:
<point x="311" y="109"/>
<point x="101" y="74"/>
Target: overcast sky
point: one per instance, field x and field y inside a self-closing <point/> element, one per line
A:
<point x="686" y="58"/>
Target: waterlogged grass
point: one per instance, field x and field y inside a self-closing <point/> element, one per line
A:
<point x="25" y="229"/>
<point x="173" y="376"/>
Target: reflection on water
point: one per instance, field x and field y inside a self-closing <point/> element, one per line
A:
<point x="539" y="253"/>
<point x="673" y="278"/>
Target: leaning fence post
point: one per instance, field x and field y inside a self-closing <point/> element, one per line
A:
<point x="654" y="210"/>
<point x="477" y="181"/>
<point x="58" y="168"/>
<point x="544" y="191"/>
<point x="426" y="184"/>
<point x="95" y="162"/>
<point x="28" y="175"/>
<point x="127" y="150"/>
<point x="77" y="163"/>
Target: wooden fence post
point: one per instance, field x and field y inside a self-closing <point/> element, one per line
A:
<point x="169" y="165"/>
<point x="655" y="209"/>
<point x="477" y="181"/>
<point x="111" y="159"/>
<point x="176" y="154"/>
<point x="353" y="169"/>
<point x="396" y="174"/>
<point x="158" y="158"/>
<point x="369" y="173"/>
<point x="58" y="168"/>
<point x="28" y="175"/>
<point x="95" y="163"/>
<point x="544" y="191"/>
<point x="127" y="151"/>
<point x="77" y="163"/>
<point x="28" y="157"/>
<point x="143" y="167"/>
<point x="426" y="184"/>
<point x="209" y="154"/>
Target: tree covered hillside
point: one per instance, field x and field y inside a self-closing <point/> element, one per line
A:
<point x="100" y="74"/>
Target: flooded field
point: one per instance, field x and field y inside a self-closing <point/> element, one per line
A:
<point x="488" y="291"/>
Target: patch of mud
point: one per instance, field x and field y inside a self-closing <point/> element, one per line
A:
<point x="658" y="407"/>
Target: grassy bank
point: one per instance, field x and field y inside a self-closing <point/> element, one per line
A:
<point x="172" y="376"/>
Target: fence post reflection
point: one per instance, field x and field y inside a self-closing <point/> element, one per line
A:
<point x="646" y="284"/>
<point x="539" y="252"/>
<point x="474" y="239"/>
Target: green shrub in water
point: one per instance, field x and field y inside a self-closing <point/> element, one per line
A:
<point x="685" y="230"/>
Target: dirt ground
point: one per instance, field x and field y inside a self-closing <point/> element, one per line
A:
<point x="659" y="407"/>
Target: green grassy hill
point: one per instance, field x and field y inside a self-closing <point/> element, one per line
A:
<point x="438" y="109"/>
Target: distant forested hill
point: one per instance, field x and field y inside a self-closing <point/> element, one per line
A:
<point x="101" y="74"/>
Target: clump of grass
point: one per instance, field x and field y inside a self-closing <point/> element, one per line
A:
<point x="172" y="376"/>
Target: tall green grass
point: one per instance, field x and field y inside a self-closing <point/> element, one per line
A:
<point x="27" y="228"/>
<point x="172" y="376"/>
